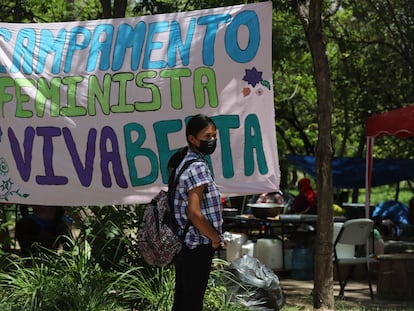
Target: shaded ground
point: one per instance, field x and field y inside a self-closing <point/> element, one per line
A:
<point x="299" y="294"/>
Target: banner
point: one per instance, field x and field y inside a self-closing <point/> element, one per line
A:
<point x="90" y="112"/>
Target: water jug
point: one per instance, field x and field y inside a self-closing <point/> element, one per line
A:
<point x="269" y="252"/>
<point x="302" y="263"/>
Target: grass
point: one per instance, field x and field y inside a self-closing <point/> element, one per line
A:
<point x="51" y="281"/>
<point x="388" y="192"/>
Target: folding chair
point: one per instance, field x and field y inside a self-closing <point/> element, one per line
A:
<point x="353" y="233"/>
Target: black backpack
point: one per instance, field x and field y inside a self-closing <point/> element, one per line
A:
<point x="157" y="236"/>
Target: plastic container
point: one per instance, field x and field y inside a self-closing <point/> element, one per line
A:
<point x="235" y="242"/>
<point x="288" y="258"/>
<point x="269" y="252"/>
<point x="302" y="263"/>
<point x="248" y="249"/>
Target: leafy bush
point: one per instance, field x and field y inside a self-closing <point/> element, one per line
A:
<point x="111" y="230"/>
<point x="148" y="289"/>
<point x="152" y="289"/>
<point x="51" y="281"/>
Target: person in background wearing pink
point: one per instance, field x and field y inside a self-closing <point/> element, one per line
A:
<point x="305" y="201"/>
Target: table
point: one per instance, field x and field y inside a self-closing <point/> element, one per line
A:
<point x="278" y="228"/>
<point x="356" y="210"/>
<point x="262" y="227"/>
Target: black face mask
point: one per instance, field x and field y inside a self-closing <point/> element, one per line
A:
<point x="207" y="146"/>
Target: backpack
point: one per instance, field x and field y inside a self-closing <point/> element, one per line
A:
<point x="157" y="237"/>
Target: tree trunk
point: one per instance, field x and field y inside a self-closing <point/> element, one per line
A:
<point x="323" y="272"/>
<point x="120" y="8"/>
<point x="117" y="11"/>
<point x="106" y="9"/>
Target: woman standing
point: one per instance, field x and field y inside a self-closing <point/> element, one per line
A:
<point x="197" y="206"/>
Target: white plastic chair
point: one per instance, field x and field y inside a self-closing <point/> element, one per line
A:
<point x="353" y="232"/>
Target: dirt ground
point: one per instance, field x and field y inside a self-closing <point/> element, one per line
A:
<point x="299" y="294"/>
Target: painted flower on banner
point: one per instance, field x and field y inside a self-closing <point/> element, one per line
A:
<point x="4" y="168"/>
<point x="7" y="187"/>
<point x="254" y="78"/>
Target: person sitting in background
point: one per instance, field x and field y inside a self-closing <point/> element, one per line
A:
<point x="337" y="204"/>
<point x="305" y="201"/>
<point x="390" y="217"/>
<point x="44" y="227"/>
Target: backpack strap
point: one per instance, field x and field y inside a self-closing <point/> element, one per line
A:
<point x="173" y="180"/>
<point x="172" y="186"/>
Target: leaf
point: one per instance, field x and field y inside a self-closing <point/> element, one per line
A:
<point x="265" y="83"/>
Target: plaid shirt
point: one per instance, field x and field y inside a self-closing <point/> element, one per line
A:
<point x="196" y="175"/>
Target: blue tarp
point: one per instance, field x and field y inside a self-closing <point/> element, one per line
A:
<point x="349" y="173"/>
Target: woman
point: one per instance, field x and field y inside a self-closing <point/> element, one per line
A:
<point x="305" y="202"/>
<point x="197" y="206"/>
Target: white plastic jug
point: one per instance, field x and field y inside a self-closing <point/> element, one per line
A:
<point x="269" y="252"/>
<point x="248" y="249"/>
<point x="234" y="245"/>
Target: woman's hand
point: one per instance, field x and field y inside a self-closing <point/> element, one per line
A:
<point x="216" y="244"/>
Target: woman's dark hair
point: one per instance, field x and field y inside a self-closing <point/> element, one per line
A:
<point x="196" y="124"/>
<point x="176" y="159"/>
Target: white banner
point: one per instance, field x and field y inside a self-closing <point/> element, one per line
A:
<point x="90" y="112"/>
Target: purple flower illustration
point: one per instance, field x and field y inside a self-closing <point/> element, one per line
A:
<point x="253" y="76"/>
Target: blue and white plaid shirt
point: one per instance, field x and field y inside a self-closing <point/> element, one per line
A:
<point x="196" y="175"/>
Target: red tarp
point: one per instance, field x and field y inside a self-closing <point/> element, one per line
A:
<point x="398" y="122"/>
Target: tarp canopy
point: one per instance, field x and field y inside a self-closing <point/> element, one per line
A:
<point x="398" y="122"/>
<point x="349" y="173"/>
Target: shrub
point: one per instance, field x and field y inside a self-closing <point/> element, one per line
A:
<point x="52" y="281"/>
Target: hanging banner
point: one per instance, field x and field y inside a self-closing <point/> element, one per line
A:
<point x="90" y="112"/>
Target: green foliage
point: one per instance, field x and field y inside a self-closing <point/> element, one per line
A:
<point x="73" y="280"/>
<point x="372" y="70"/>
<point x="389" y="192"/>
<point x="62" y="10"/>
<point x="152" y="289"/>
<point x="51" y="281"/>
<point x="148" y="289"/>
<point x="40" y="11"/>
<point x="111" y="231"/>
